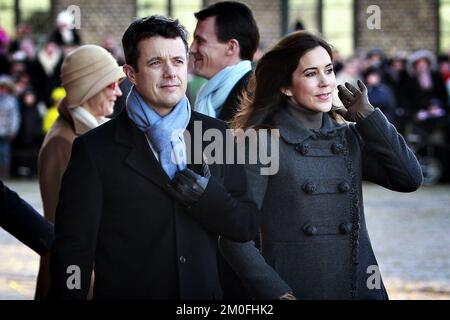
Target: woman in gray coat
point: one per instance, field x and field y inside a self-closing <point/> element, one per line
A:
<point x="313" y="238"/>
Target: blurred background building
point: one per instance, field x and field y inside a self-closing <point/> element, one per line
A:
<point x="397" y="47"/>
<point x="407" y="25"/>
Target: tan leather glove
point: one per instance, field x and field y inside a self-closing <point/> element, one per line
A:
<point x="356" y="102"/>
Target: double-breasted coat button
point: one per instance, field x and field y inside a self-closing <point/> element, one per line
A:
<point x="343" y="186"/>
<point x="182" y="259"/>
<point x="337" y="148"/>
<point x="309" y="187"/>
<point x="309" y="230"/>
<point x="345" y="227"/>
<point x="303" y="148"/>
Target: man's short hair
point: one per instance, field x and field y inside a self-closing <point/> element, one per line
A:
<point x="234" y="20"/>
<point x="148" y="27"/>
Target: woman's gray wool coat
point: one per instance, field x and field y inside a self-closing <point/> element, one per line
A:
<point x="313" y="235"/>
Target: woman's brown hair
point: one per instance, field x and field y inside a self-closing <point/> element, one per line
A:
<point x="274" y="72"/>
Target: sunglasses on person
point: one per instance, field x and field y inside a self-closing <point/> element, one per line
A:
<point x="113" y="86"/>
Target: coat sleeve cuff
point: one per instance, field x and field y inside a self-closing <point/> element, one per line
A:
<point x="366" y="126"/>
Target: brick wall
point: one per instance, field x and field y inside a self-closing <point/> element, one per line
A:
<point x="406" y="25"/>
<point x="268" y="17"/>
<point x="410" y="24"/>
<point x="99" y="17"/>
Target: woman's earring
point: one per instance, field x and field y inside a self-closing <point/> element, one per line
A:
<point x="286" y="92"/>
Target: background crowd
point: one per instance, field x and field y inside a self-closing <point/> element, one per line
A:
<point x="411" y="88"/>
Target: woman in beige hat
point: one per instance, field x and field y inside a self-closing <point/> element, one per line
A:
<point x="90" y="76"/>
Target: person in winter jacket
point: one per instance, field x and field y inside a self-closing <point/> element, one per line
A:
<point x="90" y="76"/>
<point x="313" y="241"/>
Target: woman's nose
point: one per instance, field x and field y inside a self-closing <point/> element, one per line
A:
<point x="117" y="91"/>
<point x="324" y="80"/>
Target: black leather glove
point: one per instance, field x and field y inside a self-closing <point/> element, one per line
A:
<point x="356" y="102"/>
<point x="188" y="186"/>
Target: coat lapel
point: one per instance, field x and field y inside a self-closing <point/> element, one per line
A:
<point x="140" y="158"/>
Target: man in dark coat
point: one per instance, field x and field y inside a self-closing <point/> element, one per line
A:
<point x="44" y="71"/>
<point x="225" y="39"/>
<point x="23" y="222"/>
<point x="65" y="33"/>
<point x="147" y="225"/>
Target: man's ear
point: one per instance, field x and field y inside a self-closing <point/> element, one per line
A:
<point x="233" y="47"/>
<point x="130" y="72"/>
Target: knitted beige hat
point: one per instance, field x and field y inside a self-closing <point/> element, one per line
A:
<point x="86" y="71"/>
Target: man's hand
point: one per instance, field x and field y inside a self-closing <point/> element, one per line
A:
<point x="188" y="186"/>
<point x="356" y="102"/>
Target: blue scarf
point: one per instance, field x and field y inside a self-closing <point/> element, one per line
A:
<point x="165" y="133"/>
<point x="213" y="94"/>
